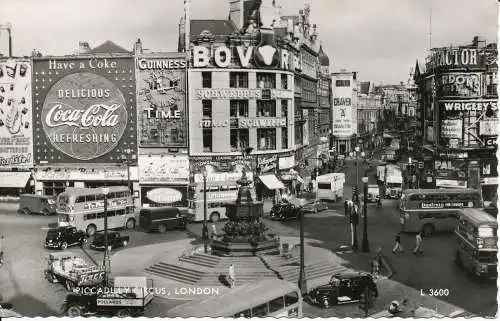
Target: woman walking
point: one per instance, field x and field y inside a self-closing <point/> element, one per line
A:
<point x="418" y="244"/>
<point x="397" y="245"/>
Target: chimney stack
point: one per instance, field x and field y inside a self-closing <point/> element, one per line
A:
<point x="138" y="47"/>
<point x="236" y="13"/>
<point x="83" y="47"/>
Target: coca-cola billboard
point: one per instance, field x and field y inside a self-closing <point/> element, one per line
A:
<point x="85" y="109"/>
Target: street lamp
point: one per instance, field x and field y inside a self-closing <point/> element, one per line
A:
<point x="205" y="229"/>
<point x="107" y="263"/>
<point x="365" y="245"/>
<point x="302" y="274"/>
<point x="127" y="158"/>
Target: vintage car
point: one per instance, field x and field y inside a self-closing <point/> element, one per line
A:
<point x="284" y="211"/>
<point x="62" y="237"/>
<point x="343" y="288"/>
<point x="114" y="240"/>
<point x="315" y="206"/>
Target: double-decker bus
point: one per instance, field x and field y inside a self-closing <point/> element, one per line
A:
<point x="221" y="188"/>
<point x="430" y="210"/>
<point x="83" y="208"/>
<point x="265" y="298"/>
<point x="476" y="236"/>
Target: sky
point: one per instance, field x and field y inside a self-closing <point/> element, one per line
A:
<point x="380" y="39"/>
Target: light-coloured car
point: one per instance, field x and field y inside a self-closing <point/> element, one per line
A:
<point x="315" y="206"/>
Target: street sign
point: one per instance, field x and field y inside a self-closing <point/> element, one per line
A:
<point x="421" y="165"/>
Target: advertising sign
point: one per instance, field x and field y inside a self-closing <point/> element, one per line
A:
<point x="438" y="204"/>
<point x="469" y="105"/>
<point x="286" y="162"/>
<point x="342" y="121"/>
<point x="156" y="169"/>
<point x="161" y="195"/>
<point x="161" y="100"/>
<point x="16" y="132"/>
<point x="459" y="85"/>
<point x="451" y="128"/>
<point x="453" y="57"/>
<point x="488" y="127"/>
<point x="84" y="109"/>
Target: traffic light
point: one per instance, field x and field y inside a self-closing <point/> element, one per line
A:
<point x="354" y="190"/>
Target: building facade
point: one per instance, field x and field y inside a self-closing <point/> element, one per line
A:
<point x="457" y="95"/>
<point x="369" y="105"/>
<point x="324" y="120"/>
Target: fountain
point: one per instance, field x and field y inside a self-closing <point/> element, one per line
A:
<point x="244" y="234"/>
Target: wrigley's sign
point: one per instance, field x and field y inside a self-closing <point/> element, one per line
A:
<point x="469" y="105"/>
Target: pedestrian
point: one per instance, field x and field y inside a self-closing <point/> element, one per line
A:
<point x="232" y="277"/>
<point x="397" y="245"/>
<point x="214" y="232"/>
<point x="401" y="223"/>
<point x="418" y="244"/>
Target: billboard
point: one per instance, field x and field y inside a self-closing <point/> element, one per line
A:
<point x="161" y="100"/>
<point x="155" y="196"/>
<point x="342" y="121"/>
<point x="85" y="109"/>
<point x="154" y="169"/>
<point x="459" y="84"/>
<point x="16" y="140"/>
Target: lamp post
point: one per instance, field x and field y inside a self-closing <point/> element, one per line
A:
<point x="205" y="229"/>
<point x="107" y="263"/>
<point x="409" y="173"/>
<point x="365" y="247"/>
<point x="302" y="274"/>
<point x="127" y="158"/>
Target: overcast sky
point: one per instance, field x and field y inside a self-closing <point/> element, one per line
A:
<point x="381" y="39"/>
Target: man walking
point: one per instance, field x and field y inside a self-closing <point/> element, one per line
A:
<point x="397" y="245"/>
<point x="418" y="244"/>
<point x="232" y="277"/>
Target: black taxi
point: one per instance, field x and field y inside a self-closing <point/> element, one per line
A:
<point x="343" y="288"/>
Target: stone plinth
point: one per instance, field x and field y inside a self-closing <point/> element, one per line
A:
<point x="245" y="247"/>
<point x="236" y="212"/>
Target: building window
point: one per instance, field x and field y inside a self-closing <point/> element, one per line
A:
<point x="284" y="137"/>
<point x="207" y="139"/>
<point x="343" y="83"/>
<point x="206" y="79"/>
<point x="207" y="108"/>
<point x="491" y="84"/>
<point x="266" y="108"/>
<point x="238" y="79"/>
<point x="267" y="138"/>
<point x="266" y="80"/>
<point x="284" y="81"/>
<point x="284" y="108"/>
<point x="238" y="108"/>
<point x="55" y="188"/>
<point x="298" y="135"/>
<point x="239" y="139"/>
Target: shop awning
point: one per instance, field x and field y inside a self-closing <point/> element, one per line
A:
<point x="14" y="179"/>
<point x="271" y="182"/>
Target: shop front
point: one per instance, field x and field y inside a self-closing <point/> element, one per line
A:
<point x="84" y="123"/>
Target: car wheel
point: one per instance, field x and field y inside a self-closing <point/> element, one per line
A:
<point x="325" y="302"/>
<point x="26" y="211"/>
<point x="45" y="213"/>
<point x="64" y="246"/>
<point x="428" y="229"/>
<point x="123" y="313"/>
<point x="130" y="224"/>
<point x="74" y="310"/>
<point x="83" y="240"/>
<point x="124" y="243"/>
<point x="51" y="277"/>
<point x="162" y="228"/>
<point x="215" y="217"/>
<point x="91" y="229"/>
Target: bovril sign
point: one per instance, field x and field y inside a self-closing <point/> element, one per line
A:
<point x="265" y="56"/>
<point x="164" y="195"/>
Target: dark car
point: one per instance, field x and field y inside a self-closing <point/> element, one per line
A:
<point x="161" y="218"/>
<point x="284" y="211"/>
<point x="62" y="237"/>
<point x="343" y="288"/>
<point x="114" y="240"/>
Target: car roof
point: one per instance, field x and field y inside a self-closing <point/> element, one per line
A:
<point x="351" y="275"/>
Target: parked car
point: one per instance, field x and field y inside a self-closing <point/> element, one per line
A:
<point x="343" y="288"/>
<point x="284" y="211"/>
<point x="161" y="218"/>
<point x="315" y="206"/>
<point x="62" y="237"/>
<point x="114" y="240"/>
<point x="37" y="204"/>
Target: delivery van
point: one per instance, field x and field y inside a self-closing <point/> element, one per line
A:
<point x="161" y="218"/>
<point x="37" y="204"/>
